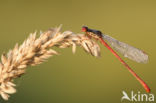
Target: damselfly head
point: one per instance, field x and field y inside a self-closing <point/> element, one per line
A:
<point x="84" y="28"/>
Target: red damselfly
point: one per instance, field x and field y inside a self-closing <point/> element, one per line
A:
<point x="126" y="50"/>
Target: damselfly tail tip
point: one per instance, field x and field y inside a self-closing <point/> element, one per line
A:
<point x="148" y="90"/>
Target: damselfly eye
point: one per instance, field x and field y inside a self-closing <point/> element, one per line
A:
<point x="84" y="28"/>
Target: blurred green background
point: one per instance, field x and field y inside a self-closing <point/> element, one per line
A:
<point x="81" y="78"/>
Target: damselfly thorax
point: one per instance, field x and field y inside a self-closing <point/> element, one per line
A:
<point x="92" y="35"/>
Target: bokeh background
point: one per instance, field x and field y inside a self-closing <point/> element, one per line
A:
<point x="81" y="78"/>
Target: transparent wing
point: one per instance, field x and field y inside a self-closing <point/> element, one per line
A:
<point x="126" y="50"/>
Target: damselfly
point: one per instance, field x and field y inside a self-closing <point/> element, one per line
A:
<point x="126" y="50"/>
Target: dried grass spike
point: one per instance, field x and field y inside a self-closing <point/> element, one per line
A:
<point x="34" y="51"/>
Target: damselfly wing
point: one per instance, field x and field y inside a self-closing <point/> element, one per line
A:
<point x="127" y="50"/>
